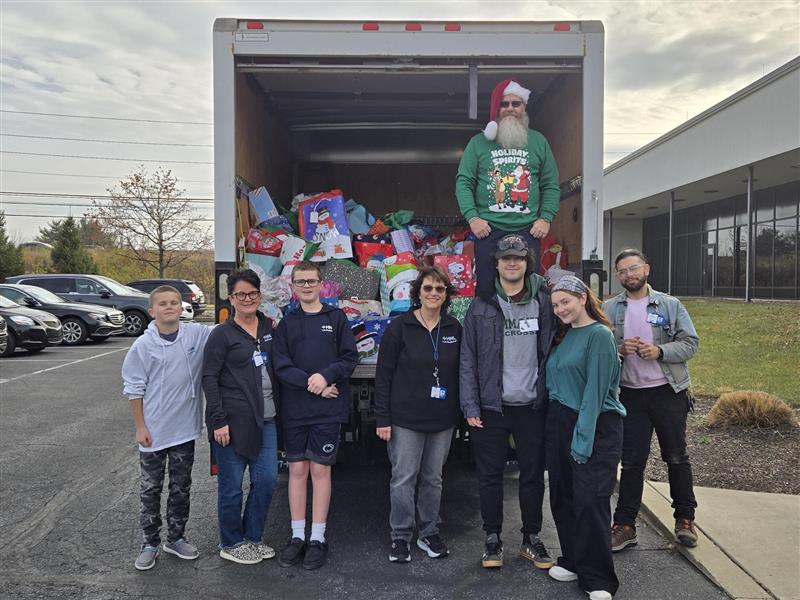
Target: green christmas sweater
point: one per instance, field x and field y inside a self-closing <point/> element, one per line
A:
<point x="510" y="188"/>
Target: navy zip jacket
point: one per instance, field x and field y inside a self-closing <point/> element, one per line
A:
<point x="404" y="376"/>
<point x="232" y="384"/>
<point x="308" y="343"/>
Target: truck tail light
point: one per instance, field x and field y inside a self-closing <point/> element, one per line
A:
<point x="562" y="27"/>
<point x="255" y="25"/>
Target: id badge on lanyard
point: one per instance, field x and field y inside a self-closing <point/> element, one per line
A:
<point x="438" y="392"/>
<point x="259" y="358"/>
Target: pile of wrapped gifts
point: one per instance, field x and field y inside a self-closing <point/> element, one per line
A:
<point x="368" y="264"/>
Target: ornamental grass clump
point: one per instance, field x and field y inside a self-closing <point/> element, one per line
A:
<point x="751" y="409"/>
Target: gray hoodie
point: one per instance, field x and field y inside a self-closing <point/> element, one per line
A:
<point x="167" y="376"/>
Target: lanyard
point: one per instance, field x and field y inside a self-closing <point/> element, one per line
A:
<point x="435" y="345"/>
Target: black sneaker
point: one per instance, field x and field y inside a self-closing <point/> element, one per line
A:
<point x="292" y="553"/>
<point x="493" y="554"/>
<point x="316" y="555"/>
<point x="433" y="546"/>
<point x="400" y="552"/>
<point x="533" y="550"/>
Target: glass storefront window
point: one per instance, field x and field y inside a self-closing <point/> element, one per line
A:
<point x="765" y="205"/>
<point x="725" y="212"/>
<point x="786" y="200"/>
<point x="765" y="234"/>
<point x="785" y="278"/>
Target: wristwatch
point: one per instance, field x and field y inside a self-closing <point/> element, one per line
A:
<point x="660" y="353"/>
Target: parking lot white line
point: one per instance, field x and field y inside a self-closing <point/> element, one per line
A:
<point x="16" y="360"/>
<point x="74" y="362"/>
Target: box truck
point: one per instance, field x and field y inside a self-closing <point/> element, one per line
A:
<point x="383" y="111"/>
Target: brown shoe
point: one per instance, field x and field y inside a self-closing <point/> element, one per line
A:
<point x="623" y="536"/>
<point x="685" y="532"/>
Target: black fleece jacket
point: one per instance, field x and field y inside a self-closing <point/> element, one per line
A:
<point x="308" y="343"/>
<point x="404" y="375"/>
<point x="232" y="384"/>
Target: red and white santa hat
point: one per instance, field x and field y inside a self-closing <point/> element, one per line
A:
<point x="507" y="86"/>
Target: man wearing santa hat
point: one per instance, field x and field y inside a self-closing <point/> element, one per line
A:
<point x="492" y="159"/>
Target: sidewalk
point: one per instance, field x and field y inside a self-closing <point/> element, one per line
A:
<point x="749" y="542"/>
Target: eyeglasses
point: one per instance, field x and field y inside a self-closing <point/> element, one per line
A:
<point x="306" y="282"/>
<point x="440" y="289"/>
<point x="630" y="270"/>
<point x="240" y="296"/>
<point x="514" y="103"/>
<point x="512" y="243"/>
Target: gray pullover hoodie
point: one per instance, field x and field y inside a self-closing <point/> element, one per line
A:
<point x="167" y="376"/>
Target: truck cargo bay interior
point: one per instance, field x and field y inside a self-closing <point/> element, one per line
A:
<point x="390" y="134"/>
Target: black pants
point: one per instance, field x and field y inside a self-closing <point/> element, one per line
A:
<point x="580" y="496"/>
<point x="662" y="410"/>
<point x="153" y="466"/>
<point x="490" y="448"/>
<point x="485" y="273"/>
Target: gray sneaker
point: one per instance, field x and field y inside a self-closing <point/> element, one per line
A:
<point x="264" y="550"/>
<point x="147" y="557"/>
<point x="244" y="554"/>
<point x="182" y="549"/>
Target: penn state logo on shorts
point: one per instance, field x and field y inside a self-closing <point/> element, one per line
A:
<point x="328" y="448"/>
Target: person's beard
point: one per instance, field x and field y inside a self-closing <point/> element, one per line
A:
<point x="635" y="286"/>
<point x="512" y="132"/>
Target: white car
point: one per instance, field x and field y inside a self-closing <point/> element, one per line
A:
<point x="188" y="312"/>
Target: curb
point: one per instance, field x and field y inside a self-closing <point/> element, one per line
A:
<point x="709" y="558"/>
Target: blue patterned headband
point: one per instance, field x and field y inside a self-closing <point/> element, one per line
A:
<point x="570" y="283"/>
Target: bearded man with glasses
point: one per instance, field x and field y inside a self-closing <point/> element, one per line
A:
<point x="507" y="181"/>
<point x="655" y="337"/>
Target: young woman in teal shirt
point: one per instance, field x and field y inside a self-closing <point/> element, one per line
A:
<point x="584" y="437"/>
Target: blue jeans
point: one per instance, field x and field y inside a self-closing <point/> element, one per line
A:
<point x="235" y="528"/>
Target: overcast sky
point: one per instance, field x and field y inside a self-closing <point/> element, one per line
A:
<point x="665" y="62"/>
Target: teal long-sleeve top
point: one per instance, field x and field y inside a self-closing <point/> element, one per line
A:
<point x="583" y="374"/>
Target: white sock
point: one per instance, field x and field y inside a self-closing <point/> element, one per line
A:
<point x="318" y="532"/>
<point x="299" y="529"/>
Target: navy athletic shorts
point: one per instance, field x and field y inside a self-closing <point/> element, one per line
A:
<point x="318" y="443"/>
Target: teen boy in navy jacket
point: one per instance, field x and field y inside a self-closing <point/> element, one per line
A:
<point x="314" y="356"/>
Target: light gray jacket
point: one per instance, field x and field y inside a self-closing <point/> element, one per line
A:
<point x="677" y="337"/>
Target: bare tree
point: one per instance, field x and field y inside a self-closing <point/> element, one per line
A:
<point x="150" y="216"/>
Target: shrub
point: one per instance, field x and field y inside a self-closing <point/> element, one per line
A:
<point x="750" y="409"/>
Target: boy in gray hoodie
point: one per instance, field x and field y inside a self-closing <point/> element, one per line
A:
<point x="162" y="375"/>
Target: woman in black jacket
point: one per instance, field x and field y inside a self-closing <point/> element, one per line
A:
<point x="241" y="406"/>
<point x="416" y="410"/>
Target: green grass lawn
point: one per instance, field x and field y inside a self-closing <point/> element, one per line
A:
<point x="746" y="347"/>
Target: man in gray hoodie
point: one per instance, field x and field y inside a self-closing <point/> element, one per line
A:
<point x="162" y="379"/>
<point x="507" y="336"/>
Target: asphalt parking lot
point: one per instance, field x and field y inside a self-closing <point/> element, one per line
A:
<point x="69" y="527"/>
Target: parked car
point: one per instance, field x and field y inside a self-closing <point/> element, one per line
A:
<point x="187" y="312"/>
<point x="33" y="330"/>
<point x="79" y="321"/>
<point x="95" y="289"/>
<point x="3" y="335"/>
<point x="189" y="290"/>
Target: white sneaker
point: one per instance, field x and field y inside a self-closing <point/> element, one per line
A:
<point x="264" y="550"/>
<point x="599" y="595"/>
<point x="562" y="574"/>
<point x="244" y="554"/>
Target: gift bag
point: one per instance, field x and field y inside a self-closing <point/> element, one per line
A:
<point x="459" y="306"/>
<point x="264" y="266"/>
<point x="399" y="271"/>
<point x="266" y="240"/>
<point x="554" y="254"/>
<point x="368" y="334"/>
<point x="357" y="310"/>
<point x="261" y="205"/>
<point x="356" y="282"/>
<point x="370" y="253"/>
<point x="401" y="240"/>
<point x="323" y="221"/>
<point x="459" y="270"/>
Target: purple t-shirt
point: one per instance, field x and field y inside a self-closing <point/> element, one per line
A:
<point x="638" y="372"/>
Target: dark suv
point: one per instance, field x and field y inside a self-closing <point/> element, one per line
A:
<point x="79" y="321"/>
<point x="95" y="289"/>
<point x="190" y="291"/>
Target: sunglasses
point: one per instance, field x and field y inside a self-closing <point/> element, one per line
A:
<point x="514" y="103"/>
<point x="440" y="289"/>
<point x="306" y="282"/>
<point x="512" y="243"/>
<point x="240" y="296"/>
